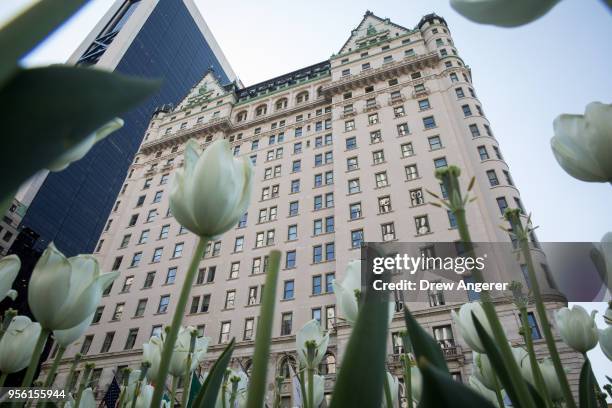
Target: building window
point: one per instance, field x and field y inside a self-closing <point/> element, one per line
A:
<point x="118" y="311"/>
<point x="140" y="308"/>
<point x="384" y="204"/>
<point x="452" y="220"/>
<point x="493" y="180"/>
<point x="149" y="280"/>
<point x="352" y="164"/>
<point x="424" y="104"/>
<point x="474" y="130"/>
<point x="286" y="323"/>
<point x="356" y="238"/>
<point x="399" y="111"/>
<point x="436" y="297"/>
<point x="178" y="250"/>
<point x="353" y="186"/>
<point x="205" y="303"/>
<point x="290" y="257"/>
<point x="378" y="156"/>
<point x="422" y="224"/>
<point x="131" y="339"/>
<point x="157" y="254"/>
<point x="239" y="244"/>
<point x="316" y="285"/>
<point x="136" y="259"/>
<point x="351" y="143"/>
<point x="440" y="162"/>
<point x="388" y="231"/>
<point x="164" y="301"/>
<point x="171" y="276"/>
<point x="502" y="204"/>
<point x="230" y="299"/>
<point x="355" y="211"/>
<point x="108" y="341"/>
<point x="295" y="186"/>
<point x="249" y="325"/>
<point x="381" y="179"/>
<point x="434" y="142"/>
<point x="293" y="208"/>
<point x="234" y="270"/>
<point x="288" y="290"/>
<point x="402" y="129"/>
<point x="349" y="125"/>
<point x="86" y="345"/>
<point x="127" y="284"/>
<point x="429" y="122"/>
<point x="411" y="172"/>
<point x="292" y="232"/>
<point x="459" y="93"/>
<point x="483" y="153"/>
<point x="417" y="197"/>
<point x="224" y="335"/>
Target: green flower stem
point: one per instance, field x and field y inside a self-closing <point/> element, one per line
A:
<point x="40" y="344"/>
<point x="533" y="361"/>
<point x="498" y="393"/>
<point x="541" y="310"/>
<point x="303" y="388"/>
<point x="311" y="387"/>
<point x="498" y="332"/>
<point x="177" y="320"/>
<point x="3" y="378"/>
<point x="233" y="394"/>
<point x="388" y="397"/>
<point x="56" y="361"/>
<point x="172" y="391"/>
<point x="69" y="379"/>
<point x="83" y="384"/>
<point x="408" y="379"/>
<point x="257" y="388"/>
<point x="186" y="383"/>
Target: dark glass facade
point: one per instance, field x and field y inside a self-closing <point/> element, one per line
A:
<point x="71" y="207"/>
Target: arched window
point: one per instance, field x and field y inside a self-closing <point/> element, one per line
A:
<point x="302" y="97"/>
<point x="242" y="115"/>
<point x="281" y="104"/>
<point x="328" y="365"/>
<point x="261" y="110"/>
<point x="283" y="369"/>
<point x="319" y="92"/>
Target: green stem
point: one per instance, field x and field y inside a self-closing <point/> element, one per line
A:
<point x="408" y="379"/>
<point x="548" y="336"/>
<point x="524" y="398"/>
<point x="311" y="387"/>
<point x="257" y="388"/>
<point x="186" y="383"/>
<point x="533" y="361"/>
<point x="3" y="378"/>
<point x="136" y="392"/>
<point x="69" y="378"/>
<point x="303" y="388"/>
<point x="388" y="397"/>
<point x="83" y="384"/>
<point x="56" y="361"/>
<point x="40" y="344"/>
<point x="177" y="320"/>
<point x="172" y="391"/>
<point x="498" y="393"/>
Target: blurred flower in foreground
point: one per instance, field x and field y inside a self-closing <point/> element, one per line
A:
<point x="605" y="341"/>
<point x="504" y="13"/>
<point x="464" y="321"/>
<point x="311" y="331"/>
<point x="582" y="143"/>
<point x="9" y="268"/>
<point x="17" y="344"/>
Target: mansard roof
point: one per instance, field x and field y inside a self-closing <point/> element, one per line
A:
<point x="370" y="26"/>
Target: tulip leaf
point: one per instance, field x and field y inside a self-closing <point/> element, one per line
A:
<point x="360" y="383"/>
<point x="440" y="390"/>
<point x="207" y="396"/>
<point x="28" y="29"/>
<point x="423" y="344"/>
<point x="587" y="387"/>
<point x="46" y="111"/>
<point x="497" y="361"/>
<point x="263" y="338"/>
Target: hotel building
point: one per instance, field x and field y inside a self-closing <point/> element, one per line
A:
<point x="344" y="151"/>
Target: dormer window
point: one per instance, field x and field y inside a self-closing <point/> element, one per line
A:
<point x="261" y="110"/>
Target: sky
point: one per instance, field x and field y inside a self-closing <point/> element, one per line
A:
<point x="524" y="77"/>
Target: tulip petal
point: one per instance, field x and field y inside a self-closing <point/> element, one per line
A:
<point x="9" y="268"/>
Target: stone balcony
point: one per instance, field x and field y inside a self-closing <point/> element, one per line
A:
<point x="387" y="71"/>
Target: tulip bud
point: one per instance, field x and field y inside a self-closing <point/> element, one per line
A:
<point x="17" y="344"/>
<point x="151" y="354"/>
<point x="605" y="341"/>
<point x="465" y="323"/>
<point x="582" y="143"/>
<point x="504" y="13"/>
<point x="483" y="370"/>
<point x="63" y="292"/>
<point x="179" y="361"/>
<point x="9" y="268"/>
<point x="210" y="194"/>
<point x="145" y="396"/>
<point x="311" y="332"/>
<point x="577" y="329"/>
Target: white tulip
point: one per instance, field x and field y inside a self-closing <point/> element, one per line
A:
<point x="63" y="292"/>
<point x="577" y="329"/>
<point x="551" y="379"/>
<point x="178" y="363"/>
<point x="482" y="390"/>
<point x="66" y="337"/>
<point x="87" y="399"/>
<point x="466" y="325"/>
<point x="416" y="380"/>
<point x="81" y="149"/>
<point x="17" y="344"/>
<point x="393" y="388"/>
<point x="582" y="143"/>
<point x="130" y="389"/>
<point x="311" y="331"/>
<point x="9" y="268"/>
<point x="212" y="191"/>
<point x="483" y="370"/>
<point x="504" y="13"/>
<point x="143" y="400"/>
<point x="151" y="353"/>
<point x="241" y="389"/>
<point x="348" y="292"/>
<point x="605" y="341"/>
